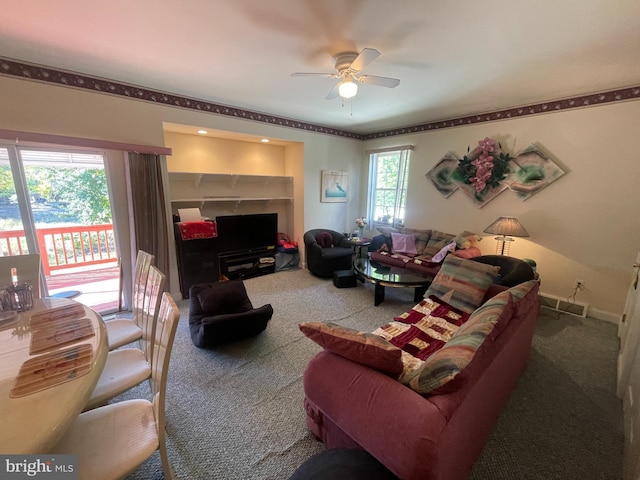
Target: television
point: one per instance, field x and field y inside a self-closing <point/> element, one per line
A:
<point x="247" y="233"/>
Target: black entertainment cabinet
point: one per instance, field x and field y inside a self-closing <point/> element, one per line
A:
<point x="247" y="264"/>
<point x="244" y="248"/>
<point x="197" y="261"/>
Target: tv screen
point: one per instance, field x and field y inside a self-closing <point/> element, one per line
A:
<point x="247" y="233"/>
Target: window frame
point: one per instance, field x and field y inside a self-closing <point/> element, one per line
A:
<point x="399" y="191"/>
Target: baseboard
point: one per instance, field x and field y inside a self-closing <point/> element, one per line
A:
<point x="605" y="316"/>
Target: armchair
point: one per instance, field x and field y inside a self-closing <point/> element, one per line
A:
<point x="323" y="261"/>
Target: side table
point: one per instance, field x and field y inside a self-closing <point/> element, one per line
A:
<point x="358" y="245"/>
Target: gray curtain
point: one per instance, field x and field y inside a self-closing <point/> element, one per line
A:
<point x="148" y="212"/>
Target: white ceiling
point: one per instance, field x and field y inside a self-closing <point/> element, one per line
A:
<point x="454" y="58"/>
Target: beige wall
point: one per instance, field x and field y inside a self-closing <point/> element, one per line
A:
<point x="584" y="226"/>
<point x="35" y="107"/>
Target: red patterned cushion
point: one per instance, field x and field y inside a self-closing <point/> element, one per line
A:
<point x="365" y="348"/>
<point x="444" y="371"/>
<point x="425" y="328"/>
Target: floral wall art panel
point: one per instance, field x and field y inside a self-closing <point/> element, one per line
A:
<point x="482" y="172"/>
<point x="442" y="174"/>
<point x="487" y="171"/>
<point x="534" y="171"/>
<point x="335" y="186"/>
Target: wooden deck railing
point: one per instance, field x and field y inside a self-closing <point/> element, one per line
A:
<point x="65" y="247"/>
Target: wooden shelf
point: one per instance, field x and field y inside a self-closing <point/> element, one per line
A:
<point x="231" y="199"/>
<point x="192" y="187"/>
<point x="230" y="178"/>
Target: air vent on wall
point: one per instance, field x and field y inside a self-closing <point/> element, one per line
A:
<point x="564" y="305"/>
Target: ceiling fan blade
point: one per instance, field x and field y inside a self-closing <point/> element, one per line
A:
<point x="380" y="81"/>
<point x="333" y="93"/>
<point x="304" y="74"/>
<point x="367" y="55"/>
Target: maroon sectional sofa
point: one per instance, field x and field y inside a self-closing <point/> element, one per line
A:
<point x="436" y="437"/>
<point x="428" y="243"/>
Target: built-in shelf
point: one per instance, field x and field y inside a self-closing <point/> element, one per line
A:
<point x="231" y="199"/>
<point x="194" y="188"/>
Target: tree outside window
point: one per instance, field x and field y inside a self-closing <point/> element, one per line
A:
<point x="388" y="177"/>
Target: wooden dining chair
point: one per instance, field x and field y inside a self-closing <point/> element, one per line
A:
<point x="28" y="268"/>
<point x="122" y="331"/>
<point x="112" y="441"/>
<point x="127" y="367"/>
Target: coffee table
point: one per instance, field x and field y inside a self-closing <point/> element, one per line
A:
<point x="387" y="276"/>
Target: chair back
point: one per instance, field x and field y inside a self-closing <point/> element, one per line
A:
<point x="151" y="306"/>
<point x="165" y="332"/>
<point x="144" y="261"/>
<point x="28" y="268"/>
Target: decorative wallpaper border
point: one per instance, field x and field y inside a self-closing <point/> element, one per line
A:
<point x="25" y="71"/>
<point x="611" y="96"/>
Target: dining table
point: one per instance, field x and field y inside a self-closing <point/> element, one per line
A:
<point x="51" y="357"/>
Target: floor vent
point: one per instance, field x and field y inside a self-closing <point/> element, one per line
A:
<point x="565" y="305"/>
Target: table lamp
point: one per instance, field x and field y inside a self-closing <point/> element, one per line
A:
<point x="506" y="227"/>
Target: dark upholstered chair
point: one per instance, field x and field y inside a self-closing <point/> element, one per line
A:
<point x="513" y="271"/>
<point x="322" y="261"/>
<point x="222" y="312"/>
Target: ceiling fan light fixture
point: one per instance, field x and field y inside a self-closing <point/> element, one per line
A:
<point x="348" y="88"/>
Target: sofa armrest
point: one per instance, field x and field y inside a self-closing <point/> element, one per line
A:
<point x="372" y="408"/>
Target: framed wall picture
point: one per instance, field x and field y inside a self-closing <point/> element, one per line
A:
<point x="334" y="187"/>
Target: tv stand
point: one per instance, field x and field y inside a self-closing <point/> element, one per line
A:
<point x="247" y="264"/>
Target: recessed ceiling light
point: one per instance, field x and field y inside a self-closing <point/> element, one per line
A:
<point x="265" y="140"/>
<point x="202" y="132"/>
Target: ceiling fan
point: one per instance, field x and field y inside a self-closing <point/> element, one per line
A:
<point x="348" y="67"/>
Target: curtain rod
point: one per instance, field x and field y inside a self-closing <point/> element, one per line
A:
<point x="18" y="136"/>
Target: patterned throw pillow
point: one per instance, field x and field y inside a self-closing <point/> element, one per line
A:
<point x="436" y="242"/>
<point x="422" y="239"/>
<point x="462" y="282"/>
<point x="444" y="371"/>
<point x="364" y="348"/>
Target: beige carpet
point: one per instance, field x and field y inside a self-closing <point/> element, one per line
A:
<point x="237" y="412"/>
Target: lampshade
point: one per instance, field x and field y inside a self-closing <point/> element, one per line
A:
<point x="507" y="226"/>
<point x="348" y="88"/>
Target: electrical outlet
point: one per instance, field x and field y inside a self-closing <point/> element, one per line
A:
<point x="579" y="284"/>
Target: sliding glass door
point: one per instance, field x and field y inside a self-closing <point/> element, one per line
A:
<point x="56" y="203"/>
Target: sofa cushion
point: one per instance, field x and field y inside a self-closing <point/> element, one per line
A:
<point x="224" y="298"/>
<point x="361" y="347"/>
<point x="520" y="291"/>
<point x="444" y="371"/>
<point x="462" y="282"/>
<point x="422" y="239"/>
<point x="403" y="243"/>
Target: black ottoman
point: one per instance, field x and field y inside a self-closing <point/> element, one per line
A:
<point x="342" y="464"/>
<point x="344" y="278"/>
